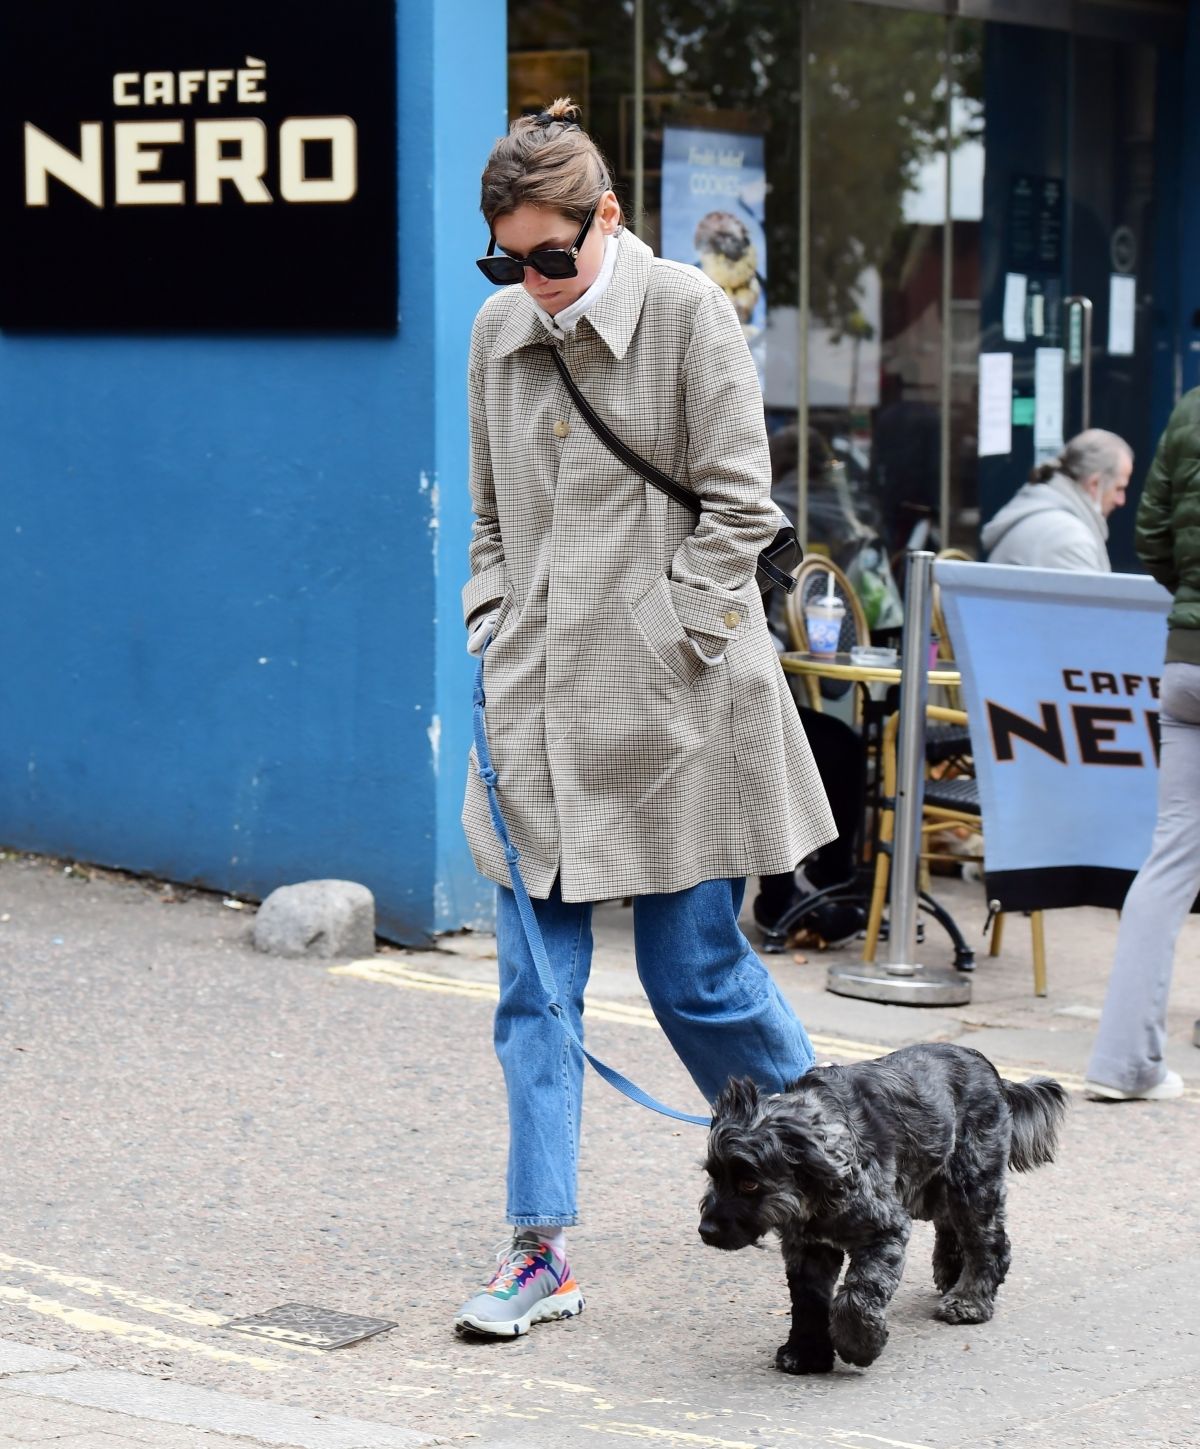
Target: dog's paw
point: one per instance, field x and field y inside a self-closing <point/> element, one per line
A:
<point x="858" y="1338"/>
<point x="959" y="1308"/>
<point x="805" y="1356"/>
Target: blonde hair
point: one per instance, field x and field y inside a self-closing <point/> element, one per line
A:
<point x="545" y="160"/>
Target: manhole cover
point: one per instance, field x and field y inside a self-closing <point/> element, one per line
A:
<point x="310" y="1325"/>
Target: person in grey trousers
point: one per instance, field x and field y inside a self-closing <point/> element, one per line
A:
<point x="1127" y="1061"/>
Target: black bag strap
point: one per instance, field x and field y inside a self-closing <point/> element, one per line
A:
<point x="626" y="454"/>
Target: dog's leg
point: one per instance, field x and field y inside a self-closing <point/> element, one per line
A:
<point x="947" y="1251"/>
<point x="947" y="1255"/>
<point x="858" y="1321"/>
<point x="976" y="1218"/>
<point x="812" y="1270"/>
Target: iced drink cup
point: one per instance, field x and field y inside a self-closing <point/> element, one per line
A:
<point x="823" y="618"/>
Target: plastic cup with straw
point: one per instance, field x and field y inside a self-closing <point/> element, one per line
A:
<point x="823" y="616"/>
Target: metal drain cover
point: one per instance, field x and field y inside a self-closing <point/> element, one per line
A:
<point x="310" y="1325"/>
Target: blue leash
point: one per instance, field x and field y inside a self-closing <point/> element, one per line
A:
<point x="533" y="934"/>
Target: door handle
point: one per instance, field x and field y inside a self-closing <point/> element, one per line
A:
<point x="1078" y="351"/>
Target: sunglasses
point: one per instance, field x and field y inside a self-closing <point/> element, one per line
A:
<point x="553" y="262"/>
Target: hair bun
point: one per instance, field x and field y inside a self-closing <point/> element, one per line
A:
<point x="561" y="111"/>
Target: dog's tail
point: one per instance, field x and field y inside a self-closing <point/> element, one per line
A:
<point x="1037" y="1108"/>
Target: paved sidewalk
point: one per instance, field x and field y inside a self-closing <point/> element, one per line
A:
<point x="194" y="1132"/>
<point x="54" y="1398"/>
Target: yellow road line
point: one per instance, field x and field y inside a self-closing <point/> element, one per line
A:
<point x="130" y="1332"/>
<point x="95" y="1288"/>
<point x="390" y="972"/>
<point x="841" y="1435"/>
<point x="675" y="1436"/>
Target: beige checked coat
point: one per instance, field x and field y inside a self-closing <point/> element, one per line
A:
<point x="626" y="764"/>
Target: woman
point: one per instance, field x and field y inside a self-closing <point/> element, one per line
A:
<point x="637" y="716"/>
<point x="1127" y="1058"/>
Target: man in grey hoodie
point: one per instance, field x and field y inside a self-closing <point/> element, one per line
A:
<point x="1059" y="519"/>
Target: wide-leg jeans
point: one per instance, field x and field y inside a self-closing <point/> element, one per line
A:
<point x="715" y="1000"/>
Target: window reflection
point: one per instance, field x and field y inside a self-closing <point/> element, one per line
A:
<point x="867" y="327"/>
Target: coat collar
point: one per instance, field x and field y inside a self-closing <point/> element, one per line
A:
<point x="614" y="318"/>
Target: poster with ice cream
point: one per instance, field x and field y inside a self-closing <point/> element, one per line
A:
<point x="714" y="188"/>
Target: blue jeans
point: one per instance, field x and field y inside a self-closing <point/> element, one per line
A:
<point x="713" y="997"/>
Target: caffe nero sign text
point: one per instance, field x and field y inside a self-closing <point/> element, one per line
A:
<point x="228" y="166"/>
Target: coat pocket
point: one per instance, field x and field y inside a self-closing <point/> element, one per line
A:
<point x="504" y="614"/>
<point x="659" y="625"/>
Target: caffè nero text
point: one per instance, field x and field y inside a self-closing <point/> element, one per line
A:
<point x="228" y="158"/>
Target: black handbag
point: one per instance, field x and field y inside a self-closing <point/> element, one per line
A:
<point x="775" y="562"/>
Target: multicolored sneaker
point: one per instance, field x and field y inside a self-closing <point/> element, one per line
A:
<point x="531" y="1284"/>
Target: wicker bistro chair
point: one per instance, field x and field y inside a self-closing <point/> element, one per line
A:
<point x="812" y="582"/>
<point x="947" y="743"/>
<point x="947" y="802"/>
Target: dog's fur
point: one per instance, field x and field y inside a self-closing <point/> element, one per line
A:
<point x="843" y="1161"/>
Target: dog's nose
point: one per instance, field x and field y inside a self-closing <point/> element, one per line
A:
<point x="709" y="1231"/>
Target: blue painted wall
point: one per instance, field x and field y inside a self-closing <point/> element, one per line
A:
<point x="230" y="648"/>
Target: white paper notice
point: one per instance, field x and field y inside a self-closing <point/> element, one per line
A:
<point x="1048" y="401"/>
<point x="1122" y="309"/>
<point x="995" y="403"/>
<point x="1016" y="284"/>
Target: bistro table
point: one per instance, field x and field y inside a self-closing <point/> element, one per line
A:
<point x="812" y="668"/>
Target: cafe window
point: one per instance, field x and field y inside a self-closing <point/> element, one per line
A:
<point x="886" y="192"/>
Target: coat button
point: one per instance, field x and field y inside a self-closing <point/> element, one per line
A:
<point x="732" y="619"/>
<point x="561" y="429"/>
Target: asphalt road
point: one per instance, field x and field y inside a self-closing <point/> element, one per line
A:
<point x="191" y="1132"/>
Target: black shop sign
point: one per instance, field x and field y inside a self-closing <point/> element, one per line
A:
<point x="228" y="164"/>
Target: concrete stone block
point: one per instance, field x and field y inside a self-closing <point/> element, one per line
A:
<point x="321" y="918"/>
<point x="148" y="1401"/>
<point x="20" y="1358"/>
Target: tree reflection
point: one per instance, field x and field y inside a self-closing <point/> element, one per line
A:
<point x="876" y="81"/>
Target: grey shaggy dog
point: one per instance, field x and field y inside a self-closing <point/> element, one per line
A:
<point x="841" y="1163"/>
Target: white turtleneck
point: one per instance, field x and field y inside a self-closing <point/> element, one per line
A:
<point x="563" y="323"/>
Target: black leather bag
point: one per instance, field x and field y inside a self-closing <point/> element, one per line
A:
<point x="775" y="563"/>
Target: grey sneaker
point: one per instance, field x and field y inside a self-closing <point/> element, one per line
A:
<point x="1170" y="1087"/>
<point x="531" y="1284"/>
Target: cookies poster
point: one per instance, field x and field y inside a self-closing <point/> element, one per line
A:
<point x="714" y="189"/>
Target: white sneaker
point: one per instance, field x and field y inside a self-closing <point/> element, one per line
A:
<point x="531" y="1284"/>
<point x="1170" y="1086"/>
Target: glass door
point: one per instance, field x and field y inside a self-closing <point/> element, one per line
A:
<point x="1068" y="213"/>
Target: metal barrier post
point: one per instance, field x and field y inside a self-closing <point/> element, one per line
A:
<point x="903" y="979"/>
<point x="910" y="766"/>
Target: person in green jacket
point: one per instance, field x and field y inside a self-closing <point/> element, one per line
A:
<point x="1127" y="1058"/>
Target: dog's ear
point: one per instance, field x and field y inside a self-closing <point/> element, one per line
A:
<point x="738" y="1099"/>
<point x="816" y="1142"/>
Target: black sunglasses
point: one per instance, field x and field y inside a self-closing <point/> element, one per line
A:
<point x="553" y="263"/>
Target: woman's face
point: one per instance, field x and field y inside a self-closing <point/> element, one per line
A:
<point x="534" y="228"/>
